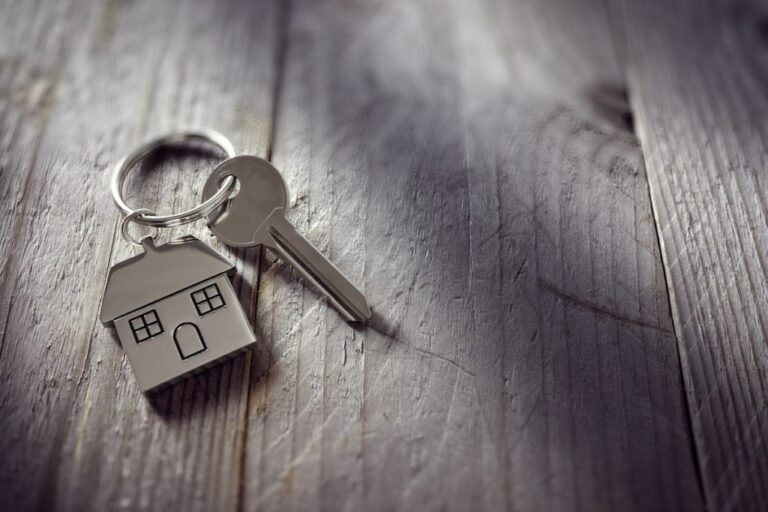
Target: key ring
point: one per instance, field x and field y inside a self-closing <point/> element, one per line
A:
<point x="131" y="217"/>
<point x="143" y="216"/>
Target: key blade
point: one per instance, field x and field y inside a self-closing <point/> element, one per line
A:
<point x="280" y="236"/>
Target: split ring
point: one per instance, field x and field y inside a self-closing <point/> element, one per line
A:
<point x="132" y="217"/>
<point x="146" y="217"/>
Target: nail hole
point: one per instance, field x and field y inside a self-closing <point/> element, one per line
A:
<point x="610" y="101"/>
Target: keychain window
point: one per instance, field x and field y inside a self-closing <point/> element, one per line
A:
<point x="208" y="299"/>
<point x="146" y="326"/>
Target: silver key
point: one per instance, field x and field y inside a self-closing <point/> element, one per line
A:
<point x="256" y="216"/>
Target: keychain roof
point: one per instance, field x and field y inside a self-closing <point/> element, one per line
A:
<point x="160" y="271"/>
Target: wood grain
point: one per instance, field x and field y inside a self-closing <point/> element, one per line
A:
<point x="77" y="434"/>
<point x="697" y="74"/>
<point x="522" y="351"/>
<point x="471" y="164"/>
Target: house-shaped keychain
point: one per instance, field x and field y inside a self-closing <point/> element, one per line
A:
<point x="175" y="311"/>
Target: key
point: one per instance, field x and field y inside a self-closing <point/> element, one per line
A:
<point x="256" y="216"/>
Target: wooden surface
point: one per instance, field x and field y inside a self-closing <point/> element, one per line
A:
<point x="554" y="208"/>
<point x="704" y="141"/>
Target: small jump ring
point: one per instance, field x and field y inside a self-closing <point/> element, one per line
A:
<point x="176" y="219"/>
<point x="133" y="216"/>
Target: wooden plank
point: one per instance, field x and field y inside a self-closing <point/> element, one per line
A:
<point x="37" y="45"/>
<point x="697" y="73"/>
<point x="76" y="433"/>
<point x="495" y="208"/>
<point x="29" y="79"/>
<point x="476" y="176"/>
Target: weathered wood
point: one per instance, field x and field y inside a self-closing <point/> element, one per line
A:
<point x="76" y="433"/>
<point x="522" y="355"/>
<point x="469" y="163"/>
<point x="697" y="74"/>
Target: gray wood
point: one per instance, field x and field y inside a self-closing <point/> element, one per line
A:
<point x="76" y="432"/>
<point x="698" y="76"/>
<point x="469" y="164"/>
<point x="522" y="355"/>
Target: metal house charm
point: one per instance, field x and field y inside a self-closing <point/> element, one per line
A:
<point x="175" y="311"/>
